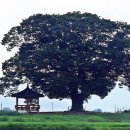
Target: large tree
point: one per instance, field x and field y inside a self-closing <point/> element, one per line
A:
<point x="68" y="56"/>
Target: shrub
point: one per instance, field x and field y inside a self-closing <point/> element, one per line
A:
<point x="9" y="113"/>
<point x="3" y="118"/>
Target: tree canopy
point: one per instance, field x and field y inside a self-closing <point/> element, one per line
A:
<point x="72" y="56"/>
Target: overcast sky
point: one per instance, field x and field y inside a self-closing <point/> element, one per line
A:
<point x="13" y="11"/>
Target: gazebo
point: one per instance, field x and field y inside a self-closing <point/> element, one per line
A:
<point x="31" y="100"/>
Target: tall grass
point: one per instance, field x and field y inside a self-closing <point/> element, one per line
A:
<point x="65" y="126"/>
<point x="88" y="121"/>
<point x="107" y="117"/>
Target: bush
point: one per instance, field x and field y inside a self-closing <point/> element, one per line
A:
<point x="3" y="118"/>
<point x="9" y="113"/>
<point x="19" y="119"/>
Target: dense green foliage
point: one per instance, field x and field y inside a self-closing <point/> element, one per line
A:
<point x="68" y="56"/>
<point x="88" y="121"/>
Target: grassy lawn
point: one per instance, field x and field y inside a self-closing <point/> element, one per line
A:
<point x="87" y="121"/>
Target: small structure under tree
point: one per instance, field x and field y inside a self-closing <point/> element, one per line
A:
<point x="31" y="100"/>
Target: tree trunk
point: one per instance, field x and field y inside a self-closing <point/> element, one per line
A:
<point x="77" y="104"/>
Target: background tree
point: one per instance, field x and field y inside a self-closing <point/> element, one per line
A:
<point x="68" y="56"/>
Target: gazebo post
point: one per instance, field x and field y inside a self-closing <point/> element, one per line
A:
<point x="17" y="104"/>
<point x="27" y="108"/>
<point x="38" y="105"/>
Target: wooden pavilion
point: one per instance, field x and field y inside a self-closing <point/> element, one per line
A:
<point x="31" y="100"/>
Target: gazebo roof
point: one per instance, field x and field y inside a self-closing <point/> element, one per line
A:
<point x="27" y="93"/>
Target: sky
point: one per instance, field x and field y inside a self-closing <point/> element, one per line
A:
<point x="13" y="11"/>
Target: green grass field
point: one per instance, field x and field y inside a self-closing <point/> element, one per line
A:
<point x="87" y="121"/>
